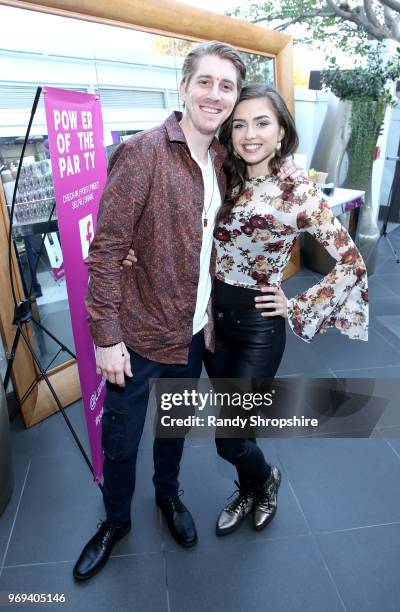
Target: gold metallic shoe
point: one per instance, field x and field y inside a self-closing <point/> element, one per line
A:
<point x="266" y="499"/>
<point x="234" y="513"/>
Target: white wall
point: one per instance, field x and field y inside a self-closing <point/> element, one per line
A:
<point x="160" y="72"/>
<point x="311" y="107"/>
<point x="147" y="73"/>
<point x="310" y="110"/>
<point x="387" y="167"/>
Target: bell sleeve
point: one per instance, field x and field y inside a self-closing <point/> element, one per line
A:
<point x="339" y="299"/>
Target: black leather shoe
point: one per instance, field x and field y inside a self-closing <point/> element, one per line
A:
<point x="96" y="552"/>
<point x="180" y="521"/>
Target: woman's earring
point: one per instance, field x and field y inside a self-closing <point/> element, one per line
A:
<point x="278" y="147"/>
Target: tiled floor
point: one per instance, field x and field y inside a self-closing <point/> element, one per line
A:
<point x="333" y="546"/>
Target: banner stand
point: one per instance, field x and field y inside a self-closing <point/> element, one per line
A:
<point x="23" y="313"/>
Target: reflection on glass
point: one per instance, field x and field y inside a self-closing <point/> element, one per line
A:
<point x="41" y="267"/>
<point x="136" y="75"/>
<point x="259" y="68"/>
<point x="137" y="83"/>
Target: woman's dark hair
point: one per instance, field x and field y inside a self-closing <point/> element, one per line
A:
<point x="235" y="167"/>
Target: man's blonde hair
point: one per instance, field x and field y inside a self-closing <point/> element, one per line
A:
<point x="214" y="47"/>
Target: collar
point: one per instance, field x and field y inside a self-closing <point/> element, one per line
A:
<point x="175" y="134"/>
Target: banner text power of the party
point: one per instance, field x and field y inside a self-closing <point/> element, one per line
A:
<point x="73" y="125"/>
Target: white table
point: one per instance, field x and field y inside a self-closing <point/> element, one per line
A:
<point x="345" y="200"/>
<point x="342" y="201"/>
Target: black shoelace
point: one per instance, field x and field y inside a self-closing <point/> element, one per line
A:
<point x="240" y="501"/>
<point x="176" y="502"/>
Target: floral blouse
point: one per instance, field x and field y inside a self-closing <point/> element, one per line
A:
<point x="254" y="245"/>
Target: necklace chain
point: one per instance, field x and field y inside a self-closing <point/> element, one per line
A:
<point x="205" y="210"/>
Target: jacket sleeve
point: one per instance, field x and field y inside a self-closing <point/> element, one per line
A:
<point x="340" y="298"/>
<point x="127" y="188"/>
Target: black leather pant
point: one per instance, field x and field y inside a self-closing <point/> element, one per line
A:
<point x="247" y="346"/>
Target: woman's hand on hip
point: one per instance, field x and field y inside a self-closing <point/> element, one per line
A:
<point x="273" y="298"/>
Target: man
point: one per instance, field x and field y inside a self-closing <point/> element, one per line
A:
<point x="164" y="188"/>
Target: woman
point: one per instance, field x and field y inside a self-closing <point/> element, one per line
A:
<point x="256" y="229"/>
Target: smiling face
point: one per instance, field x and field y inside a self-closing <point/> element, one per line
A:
<point x="210" y="94"/>
<point x="255" y="134"/>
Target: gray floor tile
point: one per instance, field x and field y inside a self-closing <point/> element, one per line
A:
<point x="338" y="482"/>
<point x="386" y="265"/>
<point x="134" y="583"/>
<point x="387" y="433"/>
<point x="307" y="273"/>
<point x="23" y="440"/>
<point x="390" y="281"/>
<point x="208" y="482"/>
<point x="20" y="469"/>
<point x="376" y="372"/>
<point x="382" y="386"/>
<point x="394" y="229"/>
<point x="385" y="332"/>
<point x="326" y="485"/>
<point x="385" y="307"/>
<point x="374" y="399"/>
<point x="341" y="353"/>
<point x="391" y="323"/>
<point x="383" y="247"/>
<point x="51" y="307"/>
<point x="296" y="284"/>
<point x="393" y="439"/>
<point x="55" y="437"/>
<point x="364" y="565"/>
<point x="300" y="358"/>
<point x="345" y="407"/>
<point x="276" y="575"/>
<point x="394" y="236"/>
<point x="389" y="389"/>
<point x="378" y="287"/>
<point x="61" y="506"/>
<point x="59" y="324"/>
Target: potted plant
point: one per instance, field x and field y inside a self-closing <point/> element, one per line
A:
<point x="366" y="90"/>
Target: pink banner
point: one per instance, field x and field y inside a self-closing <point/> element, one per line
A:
<point x="75" y="130"/>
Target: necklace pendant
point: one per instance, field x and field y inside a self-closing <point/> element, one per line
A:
<point x="205" y="222"/>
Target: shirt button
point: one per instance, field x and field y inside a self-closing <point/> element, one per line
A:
<point x="238" y="321"/>
<point x="220" y="315"/>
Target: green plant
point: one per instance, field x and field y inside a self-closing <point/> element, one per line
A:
<point x="368" y="81"/>
<point x="349" y="25"/>
<point x="366" y="87"/>
<point x="366" y="120"/>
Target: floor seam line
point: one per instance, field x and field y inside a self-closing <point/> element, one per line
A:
<point x="15" y="518"/>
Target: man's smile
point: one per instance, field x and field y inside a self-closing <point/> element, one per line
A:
<point x="210" y="109"/>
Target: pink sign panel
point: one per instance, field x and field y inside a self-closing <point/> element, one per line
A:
<point x="78" y="159"/>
